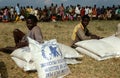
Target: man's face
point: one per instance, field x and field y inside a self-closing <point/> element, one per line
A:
<point x="30" y="24"/>
<point x="85" y="22"/>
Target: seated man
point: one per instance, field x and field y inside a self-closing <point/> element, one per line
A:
<point x="81" y="32"/>
<point x="21" y="39"/>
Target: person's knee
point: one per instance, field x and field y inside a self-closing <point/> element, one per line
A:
<point x="18" y="33"/>
<point x="16" y="30"/>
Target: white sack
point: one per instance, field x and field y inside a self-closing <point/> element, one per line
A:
<point x="29" y="66"/>
<point x="96" y="57"/>
<point x="26" y="66"/>
<point x="69" y="52"/>
<point x="114" y="42"/>
<point x="22" y="53"/>
<point x="22" y="57"/>
<point x="72" y="61"/>
<point x="98" y="47"/>
<point x="48" y="59"/>
<point x="19" y="63"/>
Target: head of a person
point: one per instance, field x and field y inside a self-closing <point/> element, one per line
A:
<point x="85" y="20"/>
<point x="31" y="21"/>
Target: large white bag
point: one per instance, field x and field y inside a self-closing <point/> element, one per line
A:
<point x="96" y="57"/>
<point x="23" y="58"/>
<point x="26" y="66"/>
<point x="48" y="59"/>
<point x="114" y="42"/>
<point x="22" y="53"/>
<point x="69" y="52"/>
<point x="98" y="47"/>
<point x="19" y="63"/>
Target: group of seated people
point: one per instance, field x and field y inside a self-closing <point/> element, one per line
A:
<point x="80" y="32"/>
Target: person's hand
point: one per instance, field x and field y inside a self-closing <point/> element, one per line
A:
<point x="101" y="37"/>
<point x="95" y="37"/>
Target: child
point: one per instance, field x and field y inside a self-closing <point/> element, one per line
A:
<point x="21" y="39"/>
<point x="81" y="32"/>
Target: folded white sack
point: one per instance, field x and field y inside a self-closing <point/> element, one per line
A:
<point x="100" y="49"/>
<point x="97" y="47"/>
<point x="96" y="57"/>
<point x="26" y="66"/>
<point x="23" y="57"/>
<point x="69" y="52"/>
<point x="114" y="42"/>
<point x="22" y="53"/>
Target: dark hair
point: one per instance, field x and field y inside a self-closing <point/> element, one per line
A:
<point x="33" y="18"/>
<point x="85" y="16"/>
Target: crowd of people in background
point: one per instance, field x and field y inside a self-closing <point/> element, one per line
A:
<point x="59" y="13"/>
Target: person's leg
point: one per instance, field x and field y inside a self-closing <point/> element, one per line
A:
<point x="18" y="35"/>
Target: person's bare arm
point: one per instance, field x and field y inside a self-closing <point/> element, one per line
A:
<point x="93" y="36"/>
<point x="38" y="35"/>
<point x="22" y="44"/>
<point x="81" y="35"/>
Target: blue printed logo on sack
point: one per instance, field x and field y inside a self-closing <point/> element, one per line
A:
<point x="50" y="51"/>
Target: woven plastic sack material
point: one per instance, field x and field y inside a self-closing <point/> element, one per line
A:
<point x="26" y="66"/>
<point x="23" y="58"/>
<point x="69" y="52"/>
<point x="114" y="42"/>
<point x="19" y="63"/>
<point x="96" y="57"/>
<point x="72" y="61"/>
<point x="22" y="53"/>
<point x="98" y="47"/>
<point x="48" y="59"/>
